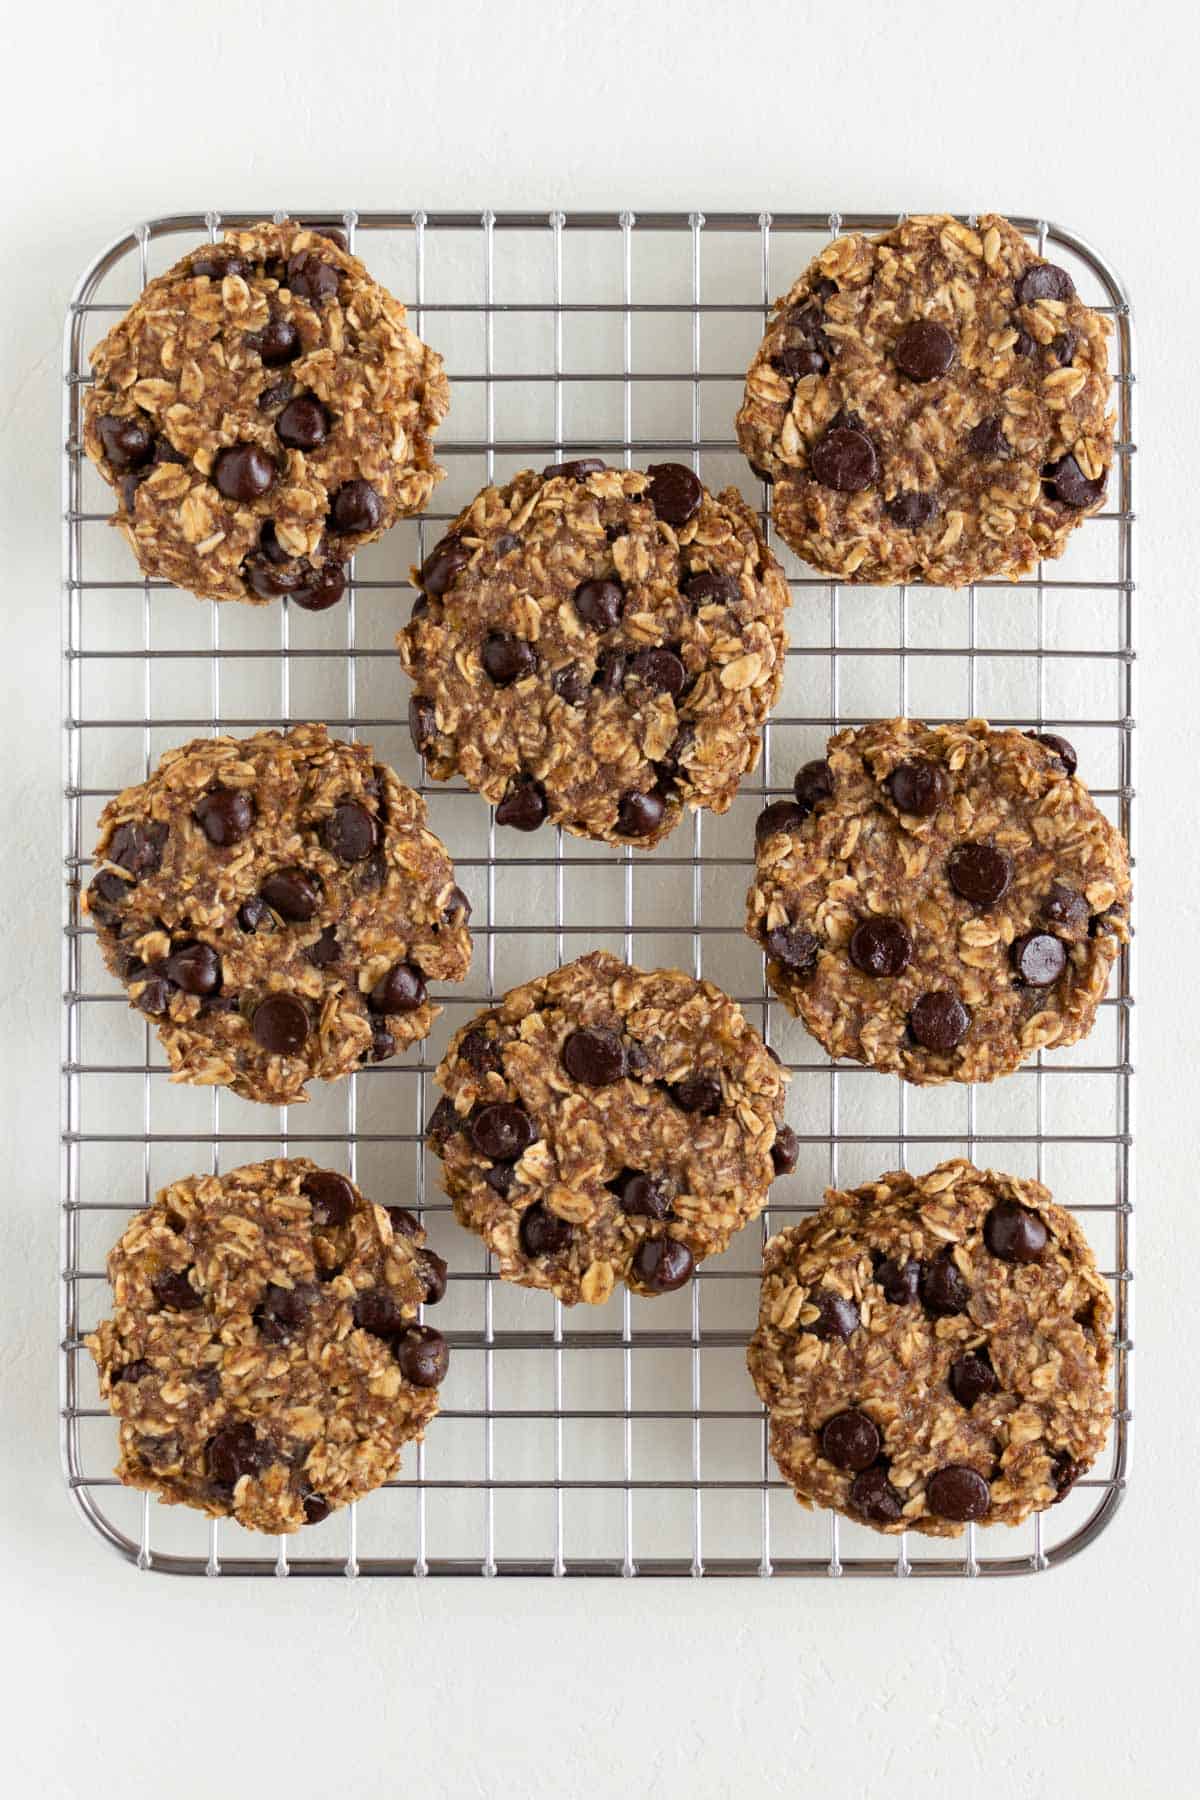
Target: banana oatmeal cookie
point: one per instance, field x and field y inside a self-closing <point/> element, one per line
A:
<point x="931" y="406"/>
<point x="940" y="901"/>
<point x="597" y="647"/>
<point x="275" y="904"/>
<point x="264" y="1357"/>
<point x="261" y="412"/>
<point x="933" y="1350"/>
<point x="605" y="1125"/>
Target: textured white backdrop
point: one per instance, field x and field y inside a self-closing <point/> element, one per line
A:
<point x="1081" y="1682"/>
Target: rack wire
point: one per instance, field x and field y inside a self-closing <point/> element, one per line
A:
<point x="628" y="1441"/>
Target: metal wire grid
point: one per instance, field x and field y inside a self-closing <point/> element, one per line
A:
<point x="691" y="1516"/>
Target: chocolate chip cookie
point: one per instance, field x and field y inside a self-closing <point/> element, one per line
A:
<point x="597" y="647"/>
<point x="605" y="1125"/>
<point x="264" y="1356"/>
<point x="940" y="901"/>
<point x="933" y="1350"/>
<point x="931" y="406"/>
<point x="261" y="412"/>
<point x="276" y="905"/>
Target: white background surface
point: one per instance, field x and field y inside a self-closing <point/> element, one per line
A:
<point x="1082" y="1682"/>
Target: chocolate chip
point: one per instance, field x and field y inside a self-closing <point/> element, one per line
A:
<point x="1015" y="1234"/>
<point x="316" y="1508"/>
<point x="900" y="1281"/>
<point x="543" y="1233"/>
<point x="569" y="684"/>
<point x="939" y="1020"/>
<point x="423" y="1355"/>
<point x="507" y="659"/>
<point x="641" y="1196"/>
<point x="155" y="996"/>
<point x="326" y="950"/>
<point x="594" y="1056"/>
<point x="1065" y="906"/>
<point x="500" y="1177"/>
<point x="232" y="1452"/>
<point x="971" y="1377"/>
<point x="1064" y="480"/>
<point x="957" y="1492"/>
<point x="638" y="1063"/>
<point x="813" y="783"/>
<point x="292" y="893"/>
<point x="316" y="590"/>
<point x="332" y="233"/>
<point x="271" y="577"/>
<point x="524" y="805"/>
<point x="132" y="1372"/>
<point x="405" y="1223"/>
<point x="280" y="1024"/>
<point x="218" y="260"/>
<point x="674" y="493"/>
<point x="600" y="603"/>
<point x="401" y="990"/>
<point x="309" y="278"/>
<point x="431" y="1273"/>
<point x="196" y="968"/>
<point x="698" y="1093"/>
<point x="943" y="1289"/>
<point x="282" y="1313"/>
<point x="798" y="360"/>
<point x="225" y="815"/>
<point x="303" y="424"/>
<point x="172" y="1288"/>
<point x="481" y="1053"/>
<point x="924" y="350"/>
<point x="350" y="832"/>
<point x="610" y="672"/>
<point x="422" y="722"/>
<point x="781" y="815"/>
<point x="1062" y="748"/>
<point x="795" y="949"/>
<point x="502" y="1132"/>
<point x="661" y="670"/>
<point x="785" y="1150"/>
<point x="881" y="947"/>
<point x="269" y="544"/>
<point x="138" y="847"/>
<point x="638" y="815"/>
<point x="919" y="787"/>
<point x="127" y="444"/>
<point x="873" y="1497"/>
<point x="618" y="529"/>
<point x="850" y="1440"/>
<point x="1039" y="959"/>
<point x="980" y="873"/>
<point x="441" y="566"/>
<point x="679" y="747"/>
<point x="707" y="588"/>
<point x="578" y="470"/>
<point x="837" y="1317"/>
<point x="1043" y="281"/>
<point x="377" y="1311"/>
<point x="457" y="910"/>
<point x="356" y="507"/>
<point x="662" y="1264"/>
<point x="505" y="543"/>
<point x="277" y="342"/>
<point x="244" y="472"/>
<point x="1063" y="348"/>
<point x="910" y="511"/>
<point x="110" y="888"/>
<point x="844" y="459"/>
<point x="331" y="1195"/>
<point x="444" y="1121"/>
<point x="1064" y="1472"/>
<point x="383" y="1043"/>
<point x="987" y="439"/>
<point x="1025" y="345"/>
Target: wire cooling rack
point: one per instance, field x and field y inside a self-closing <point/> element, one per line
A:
<point x="624" y="1440"/>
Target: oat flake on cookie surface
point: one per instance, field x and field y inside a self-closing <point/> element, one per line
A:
<point x="276" y="905"/>
<point x="605" y="1125"/>
<point x="264" y="1356"/>
<point x="940" y="901"/>
<point x="931" y="405"/>
<point x="598" y="648"/>
<point x="934" y="1350"/>
<point x="261" y="412"/>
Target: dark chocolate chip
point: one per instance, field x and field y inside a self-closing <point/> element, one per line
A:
<point x="502" y="1132"/>
<point x="405" y="1223"/>
<point x="873" y="1497"/>
<point x="943" y="1289"/>
<point x="506" y="658"/>
<point x="639" y="815"/>
<point x="919" y="787"/>
<point x="235" y="1451"/>
<point x="316" y="1508"/>
<point x="569" y="684"/>
<point x="218" y="260"/>
<point x="505" y="544"/>
<point x="641" y="1196"/>
<point x="500" y="1177"/>
<point x="422" y="722"/>
<point x="1064" y="1473"/>
<point x="225" y="815"/>
<point x="797" y="950"/>
<point x="350" y="832"/>
<point x="442" y="564"/>
<point x="939" y="1020"/>
<point x="138" y="847"/>
<point x="457" y="910"/>
<point x="662" y="1264"/>
<point x="331" y="1195"/>
<point x="280" y="1024"/>
<point x="483" y="1054"/>
<point x="1064" y="480"/>
<point x="594" y="1056"/>
<point x="925" y="350"/>
<point x="401" y="990"/>
<point x="431" y="1273"/>
<point x="310" y="278"/>
<point x="243" y="472"/>
<point x="1063" y="348"/>
<point x="172" y="1288"/>
<point x="980" y="873"/>
<point x="380" y="1313"/>
<point x="356" y="507"/>
<point x="661" y="670"/>
<point x="900" y="1281"/>
<point x="326" y="950"/>
<point x="971" y="1377"/>
<point x="674" y="492"/>
<point x="707" y="588"/>
<point x="196" y="968"/>
<point x="1064" y="905"/>
<point x="798" y="360"/>
<point x="282" y="1313"/>
<point x="600" y="603"/>
<point x="110" y="888"/>
<point x="881" y="947"/>
<point x="524" y="806"/>
<point x="813" y="783"/>
<point x="1043" y="281"/>
<point x="277" y="342"/>
<point x="543" y="1233"/>
<point x="127" y="444"/>
<point x="850" y="1440"/>
<point x="579" y="470"/>
<point x="383" y="1043"/>
<point x="423" y="1355"/>
<point x="292" y="893"/>
<point x="132" y="1372"/>
<point x="155" y="996"/>
<point x="1061" y="746"/>
<point x="958" y="1492"/>
<point x="444" y="1121"/>
<point x="677" y="751"/>
<point x="987" y="439"/>
<point x="844" y="459"/>
<point x="781" y="815"/>
<point x="269" y="544"/>
<point x="1014" y="1233"/>
<point x="303" y="424"/>
<point x="1039" y="958"/>
<point x="910" y="510"/>
<point x="837" y="1317"/>
<point x="333" y="233"/>
<point x="698" y="1093"/>
<point x="785" y="1150"/>
<point x="319" y="589"/>
<point x="610" y="672"/>
<point x="1025" y="345"/>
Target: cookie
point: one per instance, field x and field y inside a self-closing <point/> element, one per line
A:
<point x="597" y="647"/>
<point x="933" y="1350"/>
<point x="276" y="906"/>
<point x="264" y="1357"/>
<point x="940" y="901"/>
<point x="605" y="1125"/>
<point x="931" y="405"/>
<point x="261" y="413"/>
